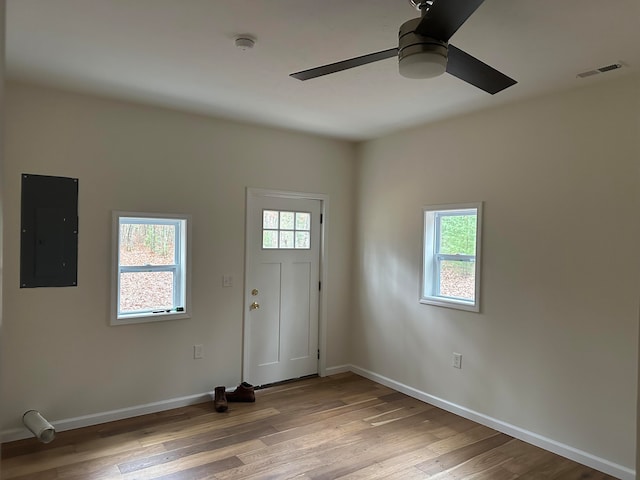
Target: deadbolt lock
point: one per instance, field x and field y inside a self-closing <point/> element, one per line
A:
<point x="254" y="292"/>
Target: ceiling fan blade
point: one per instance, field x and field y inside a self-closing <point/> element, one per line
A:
<point x="444" y="18"/>
<point x="462" y="65"/>
<point x="345" y="64"/>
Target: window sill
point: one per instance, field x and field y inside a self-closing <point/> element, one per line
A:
<point x="149" y="318"/>
<point x="451" y="303"/>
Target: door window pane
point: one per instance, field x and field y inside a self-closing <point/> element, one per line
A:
<point x="269" y="239"/>
<point x="303" y="240"/>
<point x="287" y="220"/>
<point x="270" y="219"/>
<point x="286" y="239"/>
<point x="286" y="230"/>
<point x="303" y="221"/>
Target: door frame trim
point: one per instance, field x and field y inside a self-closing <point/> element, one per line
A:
<point x="322" y="301"/>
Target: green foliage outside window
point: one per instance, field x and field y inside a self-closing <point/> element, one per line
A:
<point x="458" y="234"/>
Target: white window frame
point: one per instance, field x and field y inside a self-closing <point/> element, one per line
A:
<point x="181" y="269"/>
<point x="429" y="284"/>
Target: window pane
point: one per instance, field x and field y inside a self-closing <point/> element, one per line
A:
<point x="303" y="240"/>
<point x="269" y="239"/>
<point x="303" y="221"/>
<point x="147" y="244"/>
<point x="270" y="219"/>
<point x="458" y="234"/>
<point x="286" y="239"/>
<point x="287" y="220"/>
<point x="157" y="246"/>
<point x="457" y="279"/>
<point x="146" y="291"/>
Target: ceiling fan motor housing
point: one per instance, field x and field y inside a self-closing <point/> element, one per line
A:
<point x="420" y="56"/>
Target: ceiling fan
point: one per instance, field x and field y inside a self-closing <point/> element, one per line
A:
<point x="424" y="51"/>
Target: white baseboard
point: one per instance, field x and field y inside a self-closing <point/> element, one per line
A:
<point x="336" y="370"/>
<point x="113" y="415"/>
<point x="580" y="456"/>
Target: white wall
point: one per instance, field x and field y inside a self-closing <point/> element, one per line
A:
<point x="554" y="350"/>
<point x="59" y="354"/>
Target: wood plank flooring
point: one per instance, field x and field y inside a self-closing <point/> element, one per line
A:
<point x="343" y="426"/>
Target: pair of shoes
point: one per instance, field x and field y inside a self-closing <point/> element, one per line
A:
<point x="243" y="393"/>
<point x="220" y="400"/>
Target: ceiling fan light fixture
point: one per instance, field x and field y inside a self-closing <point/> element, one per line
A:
<point x="422" y="64"/>
<point x="420" y="56"/>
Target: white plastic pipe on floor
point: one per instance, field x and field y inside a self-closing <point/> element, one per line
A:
<point x="43" y="430"/>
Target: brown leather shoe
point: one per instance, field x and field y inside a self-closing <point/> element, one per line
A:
<point x="243" y="393"/>
<point x="220" y="400"/>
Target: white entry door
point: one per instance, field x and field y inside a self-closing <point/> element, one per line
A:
<point x="282" y="288"/>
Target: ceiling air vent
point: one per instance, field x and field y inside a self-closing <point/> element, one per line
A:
<point x="608" y="68"/>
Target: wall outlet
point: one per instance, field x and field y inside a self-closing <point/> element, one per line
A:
<point x="198" y="351"/>
<point x="456" y="361"/>
<point x="227" y="281"/>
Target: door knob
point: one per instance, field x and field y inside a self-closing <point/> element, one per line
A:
<point x="254" y="306"/>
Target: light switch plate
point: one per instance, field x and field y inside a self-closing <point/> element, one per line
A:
<point x="198" y="351"/>
<point x="456" y="361"/>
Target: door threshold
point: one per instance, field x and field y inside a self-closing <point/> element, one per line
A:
<point x="284" y="382"/>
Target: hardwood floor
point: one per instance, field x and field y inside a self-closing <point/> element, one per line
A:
<point x="342" y="426"/>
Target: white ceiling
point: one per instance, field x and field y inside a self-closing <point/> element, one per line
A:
<point x="181" y="54"/>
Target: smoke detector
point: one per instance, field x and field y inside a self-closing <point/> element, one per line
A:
<point x="245" y="42"/>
